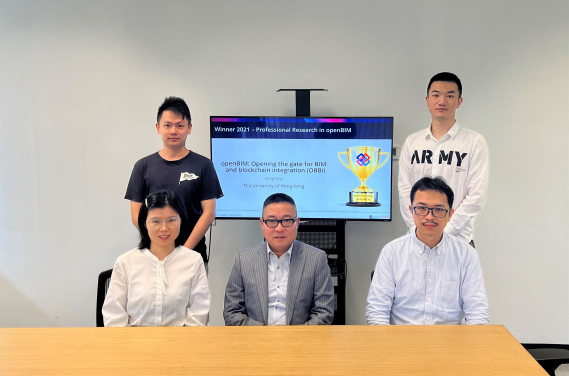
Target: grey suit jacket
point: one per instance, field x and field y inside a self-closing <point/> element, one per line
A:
<point x="310" y="293"/>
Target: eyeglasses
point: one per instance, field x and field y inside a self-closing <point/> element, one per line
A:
<point x="156" y="223"/>
<point x="424" y="211"/>
<point x="272" y="223"/>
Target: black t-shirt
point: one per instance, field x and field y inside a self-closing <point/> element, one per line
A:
<point x="192" y="178"/>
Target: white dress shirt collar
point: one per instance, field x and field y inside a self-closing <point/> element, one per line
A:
<point x="160" y="265"/>
<point x="421" y="247"/>
<point x="269" y="251"/>
<point x="452" y="132"/>
<point x="151" y="256"/>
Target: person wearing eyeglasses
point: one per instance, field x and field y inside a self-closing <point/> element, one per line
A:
<point x="161" y="282"/>
<point x="428" y="277"/>
<point x="450" y="150"/>
<point x="178" y="169"/>
<point x="281" y="281"/>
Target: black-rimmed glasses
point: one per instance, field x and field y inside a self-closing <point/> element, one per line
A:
<point x="424" y="211"/>
<point x="272" y="223"/>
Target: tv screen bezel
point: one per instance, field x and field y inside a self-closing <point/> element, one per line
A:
<point x="303" y="219"/>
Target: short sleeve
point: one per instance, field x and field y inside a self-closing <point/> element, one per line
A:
<point x="210" y="183"/>
<point x="136" y="189"/>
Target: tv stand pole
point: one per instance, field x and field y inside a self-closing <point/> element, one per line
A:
<point x="302" y="100"/>
<point x="328" y="235"/>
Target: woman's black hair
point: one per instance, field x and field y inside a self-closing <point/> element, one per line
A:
<point x="157" y="200"/>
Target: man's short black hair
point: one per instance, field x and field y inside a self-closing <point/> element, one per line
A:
<point x="447" y="77"/>
<point x="177" y="106"/>
<point x="276" y="198"/>
<point x="161" y="199"/>
<point x="437" y="184"/>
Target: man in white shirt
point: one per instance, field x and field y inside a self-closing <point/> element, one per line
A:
<point x="281" y="281"/>
<point x="449" y="150"/>
<point x="428" y="277"/>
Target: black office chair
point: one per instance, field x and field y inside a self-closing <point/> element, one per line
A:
<point x="102" y="287"/>
<point x="549" y="356"/>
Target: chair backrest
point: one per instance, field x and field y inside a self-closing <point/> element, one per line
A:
<point x="102" y="287"/>
<point x="549" y="355"/>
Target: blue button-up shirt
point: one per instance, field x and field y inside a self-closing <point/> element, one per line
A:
<point x="416" y="285"/>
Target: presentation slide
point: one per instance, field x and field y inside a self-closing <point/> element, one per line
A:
<point x="334" y="168"/>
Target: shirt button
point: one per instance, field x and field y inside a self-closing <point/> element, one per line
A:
<point x="278" y="267"/>
<point x="278" y="287"/>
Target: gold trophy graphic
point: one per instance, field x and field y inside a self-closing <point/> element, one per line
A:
<point x="363" y="161"/>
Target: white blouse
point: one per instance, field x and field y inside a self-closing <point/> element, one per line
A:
<point x="145" y="291"/>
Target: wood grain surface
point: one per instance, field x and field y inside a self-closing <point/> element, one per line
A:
<point x="294" y="350"/>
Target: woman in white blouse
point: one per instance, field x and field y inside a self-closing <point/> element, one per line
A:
<point x="159" y="283"/>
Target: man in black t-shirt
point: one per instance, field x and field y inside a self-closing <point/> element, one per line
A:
<point x="191" y="176"/>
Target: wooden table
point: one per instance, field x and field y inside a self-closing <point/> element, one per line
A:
<point x="325" y="350"/>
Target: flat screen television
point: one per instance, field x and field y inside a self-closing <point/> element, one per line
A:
<point x="333" y="167"/>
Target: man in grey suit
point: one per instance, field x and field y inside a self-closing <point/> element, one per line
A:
<point x="281" y="281"/>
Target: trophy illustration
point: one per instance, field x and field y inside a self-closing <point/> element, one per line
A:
<point x="363" y="161"/>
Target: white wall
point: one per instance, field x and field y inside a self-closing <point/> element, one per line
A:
<point x="80" y="83"/>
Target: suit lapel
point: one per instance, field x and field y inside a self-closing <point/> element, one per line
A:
<point x="261" y="276"/>
<point x="294" y="276"/>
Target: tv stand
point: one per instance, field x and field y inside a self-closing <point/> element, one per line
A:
<point x="302" y="100"/>
<point x="330" y="236"/>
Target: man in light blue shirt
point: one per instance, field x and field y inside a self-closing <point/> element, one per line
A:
<point x="428" y="277"/>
